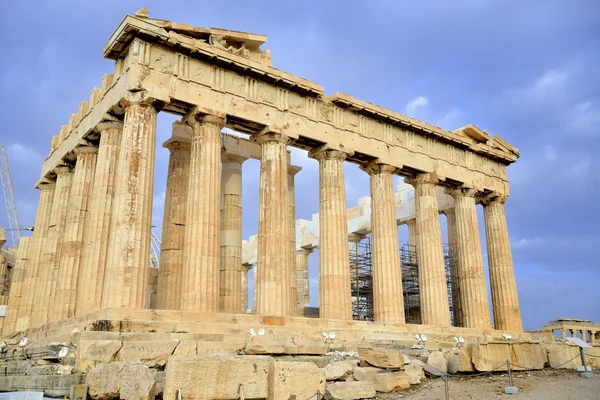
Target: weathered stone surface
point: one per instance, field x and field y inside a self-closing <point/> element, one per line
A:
<point x="365" y="373"/>
<point x="19" y="367"/>
<point x="488" y="356"/>
<point x="121" y="380"/>
<point x="93" y="352"/>
<point x="559" y="354"/>
<point x="388" y="381"/>
<point x="350" y="390"/>
<point x="104" y="381"/>
<point x="415" y="371"/>
<point x="453" y="360"/>
<point x="295" y="380"/>
<point x="186" y="348"/>
<point x="217" y="378"/>
<point x="528" y="355"/>
<point x="337" y="370"/>
<point x="436" y="363"/>
<point x="310" y="347"/>
<point x="137" y="383"/>
<point x="150" y="353"/>
<point x="465" y="363"/>
<point x="224" y="348"/>
<point x="382" y="358"/>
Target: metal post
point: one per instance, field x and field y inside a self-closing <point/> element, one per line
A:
<point x="510" y="379"/>
<point x="447" y="389"/>
<point x="511" y="388"/>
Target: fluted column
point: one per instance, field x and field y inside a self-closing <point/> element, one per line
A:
<point x="52" y="247"/>
<point x="201" y="258"/>
<point x="302" y="279"/>
<point x="292" y="171"/>
<point x="173" y="228"/>
<point x="505" y="300"/>
<point x="335" y="301"/>
<point x="72" y="240"/>
<point x="16" y="288"/>
<point x="457" y="318"/>
<point x="32" y="288"/>
<point x="388" y="299"/>
<point x="128" y="260"/>
<point x="244" y="291"/>
<point x="97" y="232"/>
<point x="469" y="261"/>
<point x="274" y="264"/>
<point x="231" y="232"/>
<point x="412" y="234"/>
<point x="433" y="291"/>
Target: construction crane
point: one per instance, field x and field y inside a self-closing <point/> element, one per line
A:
<point x="9" y="198"/>
<point x="154" y="250"/>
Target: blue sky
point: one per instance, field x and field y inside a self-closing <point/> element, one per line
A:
<point x="526" y="70"/>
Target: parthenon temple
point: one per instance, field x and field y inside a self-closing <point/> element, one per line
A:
<point x="85" y="274"/>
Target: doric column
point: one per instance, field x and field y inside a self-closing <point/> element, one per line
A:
<point x="274" y="264"/>
<point x="97" y="232"/>
<point x="292" y="171"/>
<point x="411" y="224"/>
<point x="52" y="247"/>
<point x="433" y="291"/>
<point x="469" y="260"/>
<point x="505" y="300"/>
<point x="592" y="333"/>
<point x="72" y="240"/>
<point x="563" y="334"/>
<point x="231" y="232"/>
<point x="335" y="301"/>
<point x="457" y="318"/>
<point x="244" y="291"/>
<point x="201" y="260"/>
<point x="302" y="279"/>
<point x="174" y="221"/>
<point x="128" y="260"/>
<point x="15" y="299"/>
<point x="388" y="299"/>
<point x="32" y="283"/>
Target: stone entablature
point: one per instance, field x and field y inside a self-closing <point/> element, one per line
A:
<point x="572" y="325"/>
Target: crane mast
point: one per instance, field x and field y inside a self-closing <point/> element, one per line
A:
<point x="9" y="198"/>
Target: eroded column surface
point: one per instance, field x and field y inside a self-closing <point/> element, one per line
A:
<point x="469" y="261"/>
<point x="335" y="301"/>
<point x="292" y="171"/>
<point x="52" y="247"/>
<point x="201" y="259"/>
<point x="388" y="297"/>
<point x="273" y="255"/>
<point x="97" y="232"/>
<point x="173" y="229"/>
<point x="126" y="276"/>
<point x="72" y="241"/>
<point x="505" y="300"/>
<point x="454" y="273"/>
<point x="231" y="232"/>
<point x="302" y="279"/>
<point x="412" y="234"/>
<point x="432" y="272"/>
<point x="16" y="288"/>
<point x="32" y="289"/>
<point x="244" y="291"/>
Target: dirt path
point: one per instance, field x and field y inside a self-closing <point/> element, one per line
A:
<point x="538" y="385"/>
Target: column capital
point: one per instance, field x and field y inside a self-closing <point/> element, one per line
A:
<point x="62" y="169"/>
<point x="79" y="150"/>
<point x="461" y="192"/>
<point x="47" y="185"/>
<point x="206" y="119"/>
<point x="449" y="212"/>
<point x="233" y="158"/>
<point x="327" y="153"/>
<point x="427" y="178"/>
<point x="144" y="99"/>
<point x="355" y="237"/>
<point x="174" y="144"/>
<point x="304" y="251"/>
<point x="492" y="198"/>
<point x="375" y="167"/>
<point x="413" y="222"/>
<point x="294" y="169"/>
<point x="266" y="135"/>
<point x="102" y="126"/>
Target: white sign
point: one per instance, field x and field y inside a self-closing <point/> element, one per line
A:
<point x="579" y="342"/>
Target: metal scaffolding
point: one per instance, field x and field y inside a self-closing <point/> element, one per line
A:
<point x="361" y="280"/>
<point x="9" y="198"/>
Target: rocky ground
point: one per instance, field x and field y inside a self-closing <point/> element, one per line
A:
<point x="537" y="385"/>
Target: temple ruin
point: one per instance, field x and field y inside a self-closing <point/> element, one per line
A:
<point x="85" y="274"/>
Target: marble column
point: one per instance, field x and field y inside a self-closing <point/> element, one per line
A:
<point x="97" y="232"/>
<point x="16" y="288"/>
<point x="433" y="291"/>
<point x="173" y="228"/>
<point x="469" y="261"/>
<point x="231" y="232"/>
<point x="274" y="264"/>
<point x="335" y="296"/>
<point x="302" y="279"/>
<point x="33" y="275"/>
<point x="128" y="259"/>
<point x="244" y="292"/>
<point x="76" y="222"/>
<point x="388" y="298"/>
<point x="457" y="318"/>
<point x="292" y="171"/>
<point x="563" y="335"/>
<point x="412" y="234"/>
<point x="592" y="336"/>
<point x="52" y="246"/>
<point x="505" y="300"/>
<point x="201" y="253"/>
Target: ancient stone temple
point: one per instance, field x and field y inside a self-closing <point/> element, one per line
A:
<point x="86" y="268"/>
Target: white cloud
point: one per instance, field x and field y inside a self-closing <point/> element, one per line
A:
<point x="450" y="120"/>
<point x="415" y="105"/>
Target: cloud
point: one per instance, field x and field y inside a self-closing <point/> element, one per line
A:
<point x="415" y="105"/>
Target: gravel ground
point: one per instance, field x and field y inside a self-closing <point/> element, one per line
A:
<point x="537" y="385"/>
